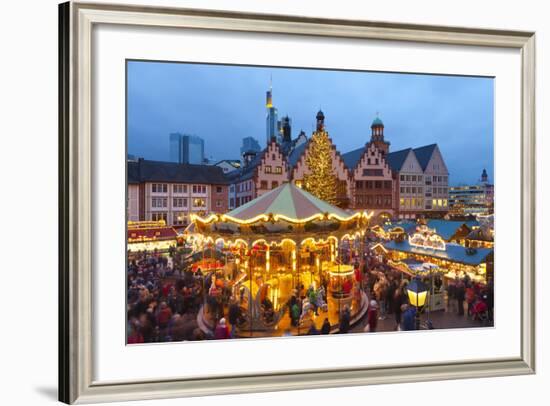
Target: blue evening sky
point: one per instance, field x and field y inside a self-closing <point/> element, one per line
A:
<point x="223" y="104"/>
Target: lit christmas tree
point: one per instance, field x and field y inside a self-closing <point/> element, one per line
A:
<point x="321" y="181"/>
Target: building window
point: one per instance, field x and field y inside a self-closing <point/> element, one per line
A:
<point x="378" y="184"/>
<point x="387" y="201"/>
<point x="199" y="189"/>
<point x="278" y="169"/>
<point x="359" y="184"/>
<point x="373" y="172"/>
<point x="159" y="188"/>
<point x="428" y="180"/>
<point x="219" y="189"/>
<point x="370" y="184"/>
<point x="159" y="202"/>
<point x="231" y="202"/>
<point x="198" y="202"/>
<point x="179" y="189"/>
<point x="263" y="184"/>
<point x="402" y="178"/>
<point x="179" y="202"/>
<point x="267" y="169"/>
<point x="159" y="216"/>
<point x="402" y="189"/>
<point x="218" y="203"/>
<point x="368" y="161"/>
<point x="274" y="184"/>
<point x="179" y="218"/>
<point x="387" y="184"/>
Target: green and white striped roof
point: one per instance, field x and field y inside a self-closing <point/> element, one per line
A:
<point x="287" y="202"/>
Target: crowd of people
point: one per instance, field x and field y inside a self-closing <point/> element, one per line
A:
<point x="165" y="296"/>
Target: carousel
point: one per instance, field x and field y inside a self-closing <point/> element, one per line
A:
<point x="282" y="248"/>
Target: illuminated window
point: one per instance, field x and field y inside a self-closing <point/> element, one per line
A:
<point x="198" y="202"/>
<point x="159" y="216"/>
<point x="179" y="218"/>
<point x="267" y="169"/>
<point x="274" y="184"/>
<point x="278" y="169"/>
<point x="263" y="184"/>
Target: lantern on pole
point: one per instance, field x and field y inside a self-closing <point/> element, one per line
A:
<point x="417" y="293"/>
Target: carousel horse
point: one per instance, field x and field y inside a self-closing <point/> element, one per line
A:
<point x="306" y="308"/>
<point x="321" y="304"/>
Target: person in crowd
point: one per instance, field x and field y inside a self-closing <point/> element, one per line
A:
<point x="470" y="297"/>
<point x="408" y="317"/>
<point x="398" y="300"/>
<point x="222" y="331"/>
<point x="313" y="331"/>
<point x="451" y="296"/>
<point x="460" y="293"/>
<point x="345" y="320"/>
<point x="163" y="317"/>
<point x="372" y="316"/>
<point x="234" y="314"/>
<point x="325" y="328"/>
<point x="380" y="291"/>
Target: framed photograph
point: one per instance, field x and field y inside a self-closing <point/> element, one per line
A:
<point x="255" y="202"/>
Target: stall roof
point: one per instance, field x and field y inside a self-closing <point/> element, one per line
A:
<point x="447" y="228"/>
<point x="453" y="252"/>
<point x="159" y="233"/>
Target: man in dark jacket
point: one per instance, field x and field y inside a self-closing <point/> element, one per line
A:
<point x="345" y="319"/>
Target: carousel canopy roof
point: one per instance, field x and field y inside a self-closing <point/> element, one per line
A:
<point x="288" y="201"/>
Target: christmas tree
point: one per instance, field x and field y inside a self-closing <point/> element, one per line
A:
<point x="321" y="181"/>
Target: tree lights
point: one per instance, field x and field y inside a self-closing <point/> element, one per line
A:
<point x="321" y="181"/>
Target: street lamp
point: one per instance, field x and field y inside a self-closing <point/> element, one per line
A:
<point x="417" y="293"/>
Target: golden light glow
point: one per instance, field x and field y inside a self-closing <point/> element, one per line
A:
<point x="417" y="300"/>
<point x="276" y="217"/>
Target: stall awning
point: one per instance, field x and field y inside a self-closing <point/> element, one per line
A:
<point x="453" y="252"/>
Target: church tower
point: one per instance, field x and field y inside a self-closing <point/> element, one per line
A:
<point x="377" y="136"/>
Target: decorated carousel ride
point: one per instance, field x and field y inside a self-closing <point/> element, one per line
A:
<point x="282" y="248"/>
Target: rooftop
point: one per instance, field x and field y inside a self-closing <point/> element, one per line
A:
<point x="171" y="172"/>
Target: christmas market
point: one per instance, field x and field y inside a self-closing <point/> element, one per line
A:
<point x="151" y="235"/>
<point x="287" y="243"/>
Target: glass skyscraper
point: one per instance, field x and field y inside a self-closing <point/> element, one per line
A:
<point x="186" y="149"/>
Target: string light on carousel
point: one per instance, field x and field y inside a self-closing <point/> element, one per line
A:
<point x="284" y="245"/>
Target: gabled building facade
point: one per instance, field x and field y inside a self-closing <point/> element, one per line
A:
<point x="436" y="179"/>
<point x="260" y="173"/>
<point x="409" y="183"/>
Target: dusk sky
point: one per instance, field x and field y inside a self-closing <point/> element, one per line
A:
<point x="223" y="104"/>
